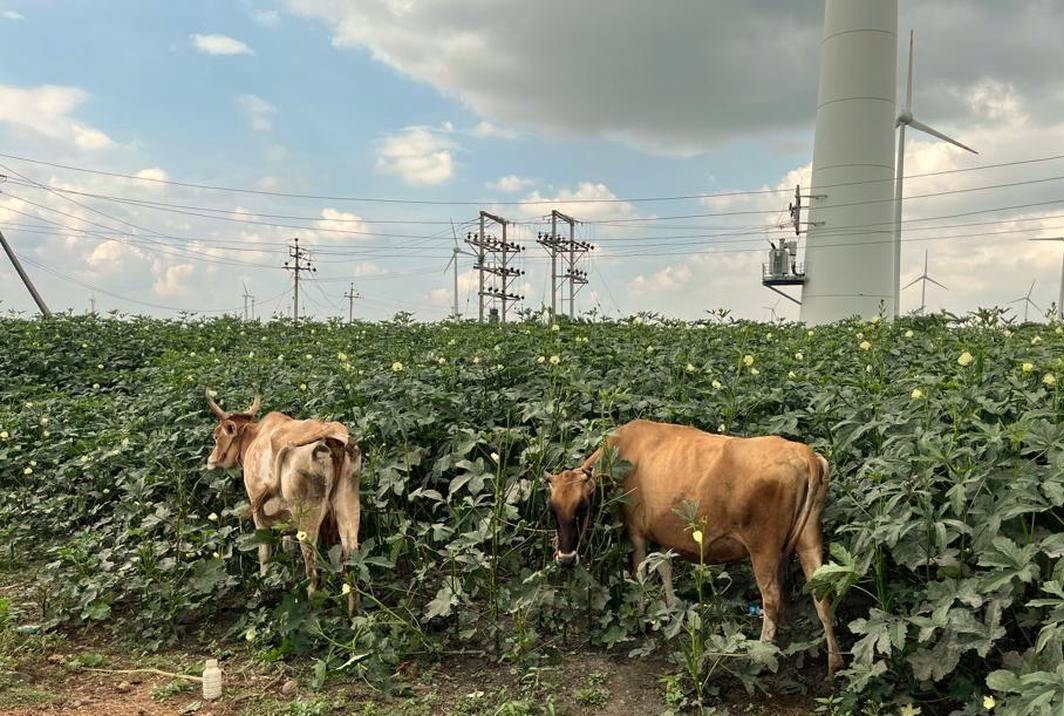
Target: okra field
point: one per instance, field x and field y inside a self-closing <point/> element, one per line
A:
<point x="945" y="517"/>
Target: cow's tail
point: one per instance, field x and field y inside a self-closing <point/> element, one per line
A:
<point x="816" y="488"/>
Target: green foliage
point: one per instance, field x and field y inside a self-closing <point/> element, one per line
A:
<point x="944" y="518"/>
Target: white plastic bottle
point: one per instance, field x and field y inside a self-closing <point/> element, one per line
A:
<point x="212" y="680"/>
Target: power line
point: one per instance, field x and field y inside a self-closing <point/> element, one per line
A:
<point x="522" y="202"/>
<point x="84" y="284"/>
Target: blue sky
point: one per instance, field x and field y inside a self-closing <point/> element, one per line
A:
<point x="430" y="101"/>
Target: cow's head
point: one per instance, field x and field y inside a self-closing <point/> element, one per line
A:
<point x="228" y="435"/>
<point x="570" y="498"/>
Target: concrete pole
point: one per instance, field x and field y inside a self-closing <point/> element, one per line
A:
<point x="553" y="265"/>
<point x="25" y="277"/>
<point x="480" y="271"/>
<point x="572" y="267"/>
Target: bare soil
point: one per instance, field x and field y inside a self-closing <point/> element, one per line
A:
<point x="52" y="682"/>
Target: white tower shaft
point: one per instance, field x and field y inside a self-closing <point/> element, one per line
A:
<point x="849" y="258"/>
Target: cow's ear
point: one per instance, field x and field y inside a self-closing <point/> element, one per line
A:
<point x="547" y="479"/>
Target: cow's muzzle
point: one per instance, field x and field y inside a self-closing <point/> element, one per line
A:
<point x="567" y="559"/>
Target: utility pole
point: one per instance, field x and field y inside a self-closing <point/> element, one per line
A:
<point x="504" y="248"/>
<point x="570" y="251"/>
<point x="25" y="278"/>
<point x="351" y="295"/>
<point x="300" y="262"/>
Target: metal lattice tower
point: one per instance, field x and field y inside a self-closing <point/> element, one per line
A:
<point x="569" y="252"/>
<point x="494" y="256"/>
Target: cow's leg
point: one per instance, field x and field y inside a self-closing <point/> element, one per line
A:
<point x="767" y="572"/>
<point x="309" y="520"/>
<point x="639" y="550"/>
<point x="264" y="548"/>
<point x="810" y="548"/>
<point x="347" y="512"/>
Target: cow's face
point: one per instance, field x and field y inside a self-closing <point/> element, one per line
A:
<point x="229" y="434"/>
<point x="226" y="452"/>
<point x="570" y="499"/>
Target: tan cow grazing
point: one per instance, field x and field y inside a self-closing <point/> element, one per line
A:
<point x="305" y="471"/>
<point x="756" y="497"/>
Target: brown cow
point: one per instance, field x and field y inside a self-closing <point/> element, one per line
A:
<point x="757" y="497"/>
<point x="306" y="471"/>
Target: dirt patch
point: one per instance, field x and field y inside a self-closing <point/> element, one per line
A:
<point x="578" y="683"/>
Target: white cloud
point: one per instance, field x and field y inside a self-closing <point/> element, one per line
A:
<point x="590" y="200"/>
<point x="266" y="18"/>
<point x="419" y="155"/>
<point x="172" y="280"/>
<point x="341" y="226"/>
<point x="219" y="45"/>
<point x="486" y="130"/>
<point x="259" y="111"/>
<point x="669" y="278"/>
<point x="46" y="110"/>
<point x="110" y="256"/>
<point x="511" y="183"/>
<point x="13" y="15"/>
<point x="154" y="174"/>
<point x="368" y="268"/>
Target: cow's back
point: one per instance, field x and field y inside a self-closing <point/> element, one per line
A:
<point x="738" y="484"/>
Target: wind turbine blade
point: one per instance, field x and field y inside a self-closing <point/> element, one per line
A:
<point x="916" y="124"/>
<point x="1031" y="289"/>
<point x="911" y="282"/>
<point x="1017" y="300"/>
<point x="1049" y="238"/>
<point x="936" y="283"/>
<point x="909" y="81"/>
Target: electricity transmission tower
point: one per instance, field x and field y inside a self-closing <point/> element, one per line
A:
<point x="24" y="276"/>
<point x="300" y="262"/>
<point x="351" y="295"/>
<point x="501" y="253"/>
<point x="569" y="252"/>
<point x="249" y="315"/>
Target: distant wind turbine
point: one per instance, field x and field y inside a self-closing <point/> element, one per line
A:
<point x="1027" y="302"/>
<point x="772" y="309"/>
<point x="455" y="252"/>
<point x="1060" y="299"/>
<point x="905" y="119"/>
<point x="924" y="277"/>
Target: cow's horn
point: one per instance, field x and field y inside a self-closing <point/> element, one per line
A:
<point x="255" y="405"/>
<point x="221" y="414"/>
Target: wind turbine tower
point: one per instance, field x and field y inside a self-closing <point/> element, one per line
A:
<point x="848" y="255"/>
<point x="905" y="119"/>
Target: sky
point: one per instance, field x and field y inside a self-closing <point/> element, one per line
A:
<point x="391" y="119"/>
